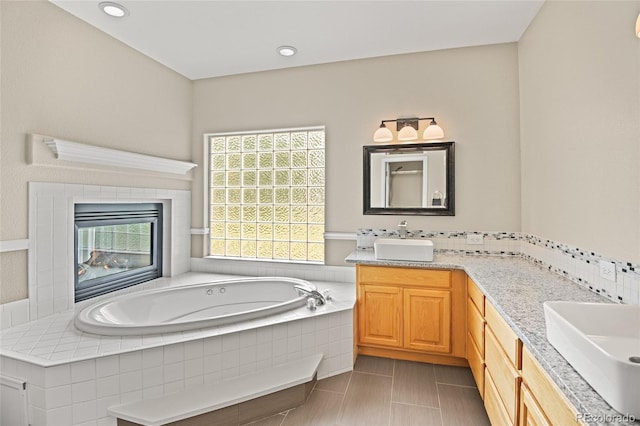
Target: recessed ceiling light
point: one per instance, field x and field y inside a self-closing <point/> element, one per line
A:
<point x="113" y="9"/>
<point x="287" y="50"/>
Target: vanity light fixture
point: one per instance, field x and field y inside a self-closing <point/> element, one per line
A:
<point x="114" y="10"/>
<point x="407" y="129"/>
<point x="638" y="26"/>
<point x="287" y="50"/>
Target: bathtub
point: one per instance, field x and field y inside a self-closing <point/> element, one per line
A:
<point x="191" y="307"/>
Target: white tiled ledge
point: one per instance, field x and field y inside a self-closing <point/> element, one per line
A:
<point x="14" y="245"/>
<point x="55" y="340"/>
<point x="14" y="313"/>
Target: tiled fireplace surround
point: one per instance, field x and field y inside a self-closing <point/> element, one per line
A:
<point x="79" y="392"/>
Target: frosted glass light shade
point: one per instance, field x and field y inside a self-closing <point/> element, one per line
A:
<point x="638" y="26"/>
<point x="407" y="133"/>
<point x="433" y="132"/>
<point x="383" y="135"/>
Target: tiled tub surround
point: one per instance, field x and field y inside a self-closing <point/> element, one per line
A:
<point x="518" y="288"/>
<point x="73" y="377"/>
<point x="579" y="265"/>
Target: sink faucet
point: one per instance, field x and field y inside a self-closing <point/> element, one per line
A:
<point x="402" y="228"/>
<point x="313" y="293"/>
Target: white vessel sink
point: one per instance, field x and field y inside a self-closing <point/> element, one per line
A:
<point x="403" y="249"/>
<point x="601" y="341"/>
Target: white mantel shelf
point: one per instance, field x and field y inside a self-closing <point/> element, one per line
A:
<point x="74" y="151"/>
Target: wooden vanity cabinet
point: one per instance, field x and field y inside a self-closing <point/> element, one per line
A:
<point x="514" y="387"/>
<point x="502" y="357"/>
<point x="411" y="313"/>
<point x="541" y="402"/>
<point x="475" y="333"/>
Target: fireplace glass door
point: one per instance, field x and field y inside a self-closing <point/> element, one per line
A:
<point x="116" y="246"/>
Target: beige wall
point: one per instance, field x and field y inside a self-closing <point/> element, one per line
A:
<point x="61" y="77"/>
<point x="473" y="92"/>
<point x="554" y="117"/>
<point x="580" y="126"/>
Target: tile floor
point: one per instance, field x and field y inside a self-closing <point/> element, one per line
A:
<point x="390" y="392"/>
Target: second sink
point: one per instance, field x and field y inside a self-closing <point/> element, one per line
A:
<point x="403" y="249"/>
<point x="602" y="342"/>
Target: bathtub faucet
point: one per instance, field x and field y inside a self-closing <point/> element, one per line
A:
<point x="311" y="292"/>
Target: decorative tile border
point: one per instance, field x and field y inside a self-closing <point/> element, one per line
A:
<point x="576" y="264"/>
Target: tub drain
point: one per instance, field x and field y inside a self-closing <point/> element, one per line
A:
<point x="635" y="359"/>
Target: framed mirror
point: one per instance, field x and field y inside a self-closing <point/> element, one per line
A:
<point x="409" y="179"/>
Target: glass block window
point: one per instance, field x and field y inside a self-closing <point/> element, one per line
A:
<point x="266" y="194"/>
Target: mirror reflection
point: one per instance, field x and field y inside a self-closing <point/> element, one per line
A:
<point x="409" y="179"/>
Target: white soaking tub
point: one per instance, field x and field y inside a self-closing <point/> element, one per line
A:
<point x="192" y="307"/>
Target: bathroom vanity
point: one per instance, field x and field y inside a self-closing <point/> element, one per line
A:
<point x="485" y="312"/>
<point x="411" y="313"/>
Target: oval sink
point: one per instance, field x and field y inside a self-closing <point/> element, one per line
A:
<point x="403" y="249"/>
<point x="601" y="341"/>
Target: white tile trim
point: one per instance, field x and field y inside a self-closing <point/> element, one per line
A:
<point x="14" y="313"/>
<point x="14" y="245"/>
<point x="340" y="236"/>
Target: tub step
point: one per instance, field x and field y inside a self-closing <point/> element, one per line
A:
<point x="281" y="387"/>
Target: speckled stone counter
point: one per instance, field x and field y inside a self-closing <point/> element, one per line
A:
<point x="518" y="288"/>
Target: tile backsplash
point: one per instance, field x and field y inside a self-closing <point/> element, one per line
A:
<point x="576" y="264"/>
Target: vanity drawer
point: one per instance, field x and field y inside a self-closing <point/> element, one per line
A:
<point x="507" y="339"/>
<point x="493" y="404"/>
<point x="530" y="412"/>
<point x="550" y="399"/>
<point x="476" y="295"/>
<point x="404" y="276"/>
<point x="504" y="375"/>
<point x="475" y="325"/>
<point x="476" y="363"/>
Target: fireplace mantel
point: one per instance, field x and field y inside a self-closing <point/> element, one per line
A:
<point x="74" y="151"/>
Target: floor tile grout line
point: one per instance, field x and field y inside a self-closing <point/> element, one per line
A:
<point x="330" y="391"/>
<point x="414" y="405"/>
<point x="393" y="378"/>
<point x="344" y="396"/>
<point x="453" y="384"/>
<point x="439" y="401"/>
<point x="285" y="415"/>
<point x="373" y="374"/>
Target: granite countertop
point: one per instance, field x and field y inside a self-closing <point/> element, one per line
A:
<point x="517" y="288"/>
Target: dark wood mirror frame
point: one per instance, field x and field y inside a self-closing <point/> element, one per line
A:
<point x="447" y="210"/>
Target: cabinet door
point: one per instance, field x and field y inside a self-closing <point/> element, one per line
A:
<point x="427" y="318"/>
<point x="380" y="315"/>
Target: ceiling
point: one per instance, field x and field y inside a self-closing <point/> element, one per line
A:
<point x="209" y="38"/>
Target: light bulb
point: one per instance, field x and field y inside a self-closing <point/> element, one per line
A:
<point x="433" y="131"/>
<point x="383" y="134"/>
<point x="407" y="133"/>
<point x="113" y="9"/>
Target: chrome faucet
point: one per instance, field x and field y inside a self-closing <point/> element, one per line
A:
<point x="312" y="293"/>
<point x="402" y="228"/>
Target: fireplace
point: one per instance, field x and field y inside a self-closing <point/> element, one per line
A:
<point x="116" y="246"/>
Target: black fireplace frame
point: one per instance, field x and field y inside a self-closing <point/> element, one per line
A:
<point x="88" y="215"/>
